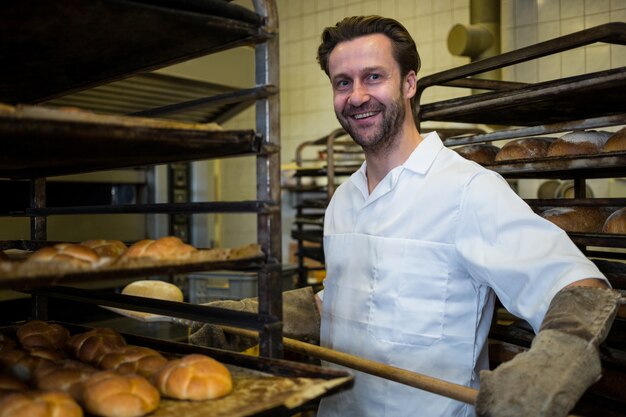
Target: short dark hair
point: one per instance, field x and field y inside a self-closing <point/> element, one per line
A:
<point x="404" y="49"/>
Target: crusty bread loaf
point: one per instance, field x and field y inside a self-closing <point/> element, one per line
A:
<point x="38" y="333"/>
<point x="66" y="375"/>
<point x="39" y="404"/>
<point x="481" y="153"/>
<point x="89" y="346"/>
<point x="579" y="143"/>
<point x="21" y="363"/>
<point x="578" y="219"/>
<point x="169" y="247"/>
<point x="524" y="148"/>
<point x="133" y="359"/>
<point x="110" y="394"/>
<point x="11" y="383"/>
<point x="616" y="222"/>
<point x="194" y="377"/>
<point x="106" y="248"/>
<point x="66" y="253"/>
<point x="617" y="142"/>
<point x="160" y="290"/>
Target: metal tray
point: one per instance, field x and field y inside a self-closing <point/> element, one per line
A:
<point x="262" y="386"/>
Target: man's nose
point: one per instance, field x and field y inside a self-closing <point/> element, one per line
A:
<point x="359" y="95"/>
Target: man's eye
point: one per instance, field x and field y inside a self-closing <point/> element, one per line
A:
<point x="375" y="77"/>
<point x="342" y="84"/>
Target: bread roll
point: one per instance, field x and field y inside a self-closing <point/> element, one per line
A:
<point x="49" y="354"/>
<point x="111" y="394"/>
<point x="154" y="289"/>
<point x="525" y="148"/>
<point x="169" y="247"/>
<point x="66" y="375"/>
<point x="11" y="383"/>
<point x="578" y="219"/>
<point x="39" y="404"/>
<point x="40" y="334"/>
<point x="481" y="153"/>
<point x="616" y="222"/>
<point x="66" y="253"/>
<point x="617" y="142"/>
<point x="579" y="143"/>
<point x="20" y="363"/>
<point x="106" y="248"/>
<point x="88" y="347"/>
<point x="133" y="359"/>
<point x="194" y="377"/>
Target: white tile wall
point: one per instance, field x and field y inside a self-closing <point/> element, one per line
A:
<point x="306" y="100"/>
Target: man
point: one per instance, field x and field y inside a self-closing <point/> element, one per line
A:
<point x="417" y="242"/>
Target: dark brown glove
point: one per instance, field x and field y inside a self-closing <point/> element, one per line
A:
<point x="563" y="361"/>
<point x="301" y="320"/>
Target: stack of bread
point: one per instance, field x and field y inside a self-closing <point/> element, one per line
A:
<point x="97" y="254"/>
<point x="98" y="372"/>
<point x="481" y="153"/>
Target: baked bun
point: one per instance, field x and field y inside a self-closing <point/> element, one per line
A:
<point x="169" y="247"/>
<point x="88" y="347"/>
<point x="578" y="219"/>
<point x="154" y="289"/>
<point x="617" y="142"/>
<point x="106" y="248"/>
<point x="111" y="394"/>
<point x="11" y="383"/>
<point x="40" y="334"/>
<point x="194" y="377"/>
<point x="616" y="222"/>
<point x="579" y="143"/>
<point x="21" y="364"/>
<point x="525" y="148"/>
<point x="133" y="359"/>
<point x="66" y="375"/>
<point x="39" y="404"/>
<point x="66" y="253"/>
<point x="49" y="354"/>
<point x="481" y="153"/>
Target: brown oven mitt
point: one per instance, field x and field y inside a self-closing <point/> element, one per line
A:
<point x="301" y="320"/>
<point x="563" y="361"/>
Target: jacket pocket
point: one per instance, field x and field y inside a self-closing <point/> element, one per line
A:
<point x="408" y="295"/>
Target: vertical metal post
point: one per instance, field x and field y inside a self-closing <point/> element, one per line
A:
<point x="38" y="224"/>
<point x="268" y="179"/>
<point x="39" y="307"/>
<point x="580" y="188"/>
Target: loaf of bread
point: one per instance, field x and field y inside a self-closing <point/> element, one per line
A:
<point x="481" y="153"/>
<point x="194" y="377"/>
<point x="169" y="247"/>
<point x="133" y="359"/>
<point x="110" y="394"/>
<point x="106" y="248"/>
<point x="66" y="253"/>
<point x="89" y="346"/>
<point x="160" y="290"/>
<point x="524" y="148"/>
<point x="578" y="219"/>
<point x="39" y="404"/>
<point x="21" y="363"/>
<point x="49" y="354"/>
<point x="579" y="143"/>
<point x="617" y="142"/>
<point x="65" y="375"/>
<point x="616" y="222"/>
<point x="40" y="334"/>
<point x="11" y="383"/>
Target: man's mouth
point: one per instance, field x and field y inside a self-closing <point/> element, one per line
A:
<point x="360" y="116"/>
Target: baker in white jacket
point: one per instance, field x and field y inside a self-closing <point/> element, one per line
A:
<point x="418" y="243"/>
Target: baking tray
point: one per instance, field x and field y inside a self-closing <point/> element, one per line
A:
<point x="262" y="386"/>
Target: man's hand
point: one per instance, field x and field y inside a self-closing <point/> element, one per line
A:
<point x="562" y="363"/>
<point x="301" y="320"/>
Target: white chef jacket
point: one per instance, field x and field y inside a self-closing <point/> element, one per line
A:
<point x="411" y="271"/>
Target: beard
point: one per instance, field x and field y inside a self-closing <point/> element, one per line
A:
<point x="378" y="139"/>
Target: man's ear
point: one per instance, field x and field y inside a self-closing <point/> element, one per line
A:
<point x="409" y="84"/>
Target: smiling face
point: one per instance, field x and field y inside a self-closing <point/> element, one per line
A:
<point x="370" y="96"/>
